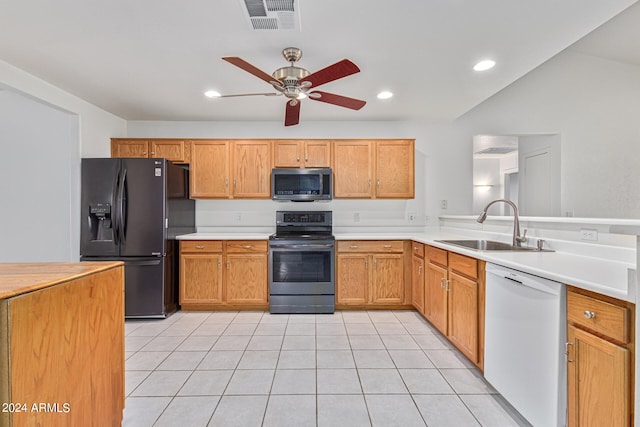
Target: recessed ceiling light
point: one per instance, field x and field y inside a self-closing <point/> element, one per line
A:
<point x="212" y="94"/>
<point x="385" y="95"/>
<point x="484" y="65"/>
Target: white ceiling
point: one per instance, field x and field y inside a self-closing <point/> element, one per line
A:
<point x="153" y="59"/>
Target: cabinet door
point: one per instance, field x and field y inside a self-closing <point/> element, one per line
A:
<point x="417" y="283"/>
<point x="317" y="154"/>
<point x="395" y="169"/>
<point x="287" y="154"/>
<point x="209" y="176"/>
<point x="436" y="296"/>
<point x="171" y="150"/>
<point x="352" y="169"/>
<point x="246" y="279"/>
<point x="130" y="148"/>
<point x="352" y="279"/>
<point x="463" y="315"/>
<point x="251" y="169"/>
<point x="598" y="379"/>
<point x="200" y="278"/>
<point x="387" y="281"/>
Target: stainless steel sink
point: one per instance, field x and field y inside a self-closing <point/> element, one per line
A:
<point x="490" y="245"/>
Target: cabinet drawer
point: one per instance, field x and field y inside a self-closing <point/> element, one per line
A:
<point x="602" y="317"/>
<point x="245" y="246"/>
<point x="370" y="246"/>
<point x="200" y="246"/>
<point x="464" y="265"/>
<point x="417" y="249"/>
<point x="436" y="255"/>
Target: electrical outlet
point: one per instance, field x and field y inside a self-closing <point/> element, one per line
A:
<point x="426" y="218"/>
<point x="238" y="216"/>
<point x="588" y="234"/>
<point x="356" y="217"/>
<point x="443" y="204"/>
<point x="412" y="216"/>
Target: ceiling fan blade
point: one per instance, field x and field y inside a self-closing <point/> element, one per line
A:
<point x="333" y="72"/>
<point x="241" y="63"/>
<point x="332" y="98"/>
<point x="248" y="94"/>
<point x="292" y="114"/>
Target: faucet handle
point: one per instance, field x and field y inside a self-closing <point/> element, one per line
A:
<point x="522" y="238"/>
<point x="539" y="244"/>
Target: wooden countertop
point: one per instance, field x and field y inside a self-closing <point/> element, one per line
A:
<point x="20" y="278"/>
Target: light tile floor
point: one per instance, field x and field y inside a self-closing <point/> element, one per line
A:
<point x="352" y="368"/>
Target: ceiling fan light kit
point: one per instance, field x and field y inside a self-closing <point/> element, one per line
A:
<point x="296" y="83"/>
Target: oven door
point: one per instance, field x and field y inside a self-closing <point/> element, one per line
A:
<point x="302" y="269"/>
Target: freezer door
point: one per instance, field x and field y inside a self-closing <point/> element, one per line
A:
<point x="144" y="207"/>
<point x="98" y="229"/>
<point x="144" y="292"/>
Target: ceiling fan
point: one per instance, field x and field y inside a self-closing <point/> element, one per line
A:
<point x="296" y="83"/>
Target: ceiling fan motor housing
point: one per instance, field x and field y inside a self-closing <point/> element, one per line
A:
<point x="290" y="77"/>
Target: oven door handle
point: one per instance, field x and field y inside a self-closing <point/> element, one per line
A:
<point x="327" y="246"/>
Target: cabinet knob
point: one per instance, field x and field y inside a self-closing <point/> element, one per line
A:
<point x="144" y="153"/>
<point x="297" y="158"/>
<point x="589" y="314"/>
<point x="153" y="153"/>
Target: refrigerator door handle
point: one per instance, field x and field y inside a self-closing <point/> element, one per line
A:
<point x="114" y="203"/>
<point x="121" y="208"/>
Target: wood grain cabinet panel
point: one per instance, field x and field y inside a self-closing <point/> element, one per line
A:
<point x="246" y="275"/>
<point x="170" y="149"/>
<point x="352" y="281"/>
<point x="209" y="177"/>
<point x="224" y="275"/>
<point x="302" y="153"/>
<point x="454" y="300"/>
<point x="417" y="277"/>
<point x="600" y="360"/>
<point x="200" y="279"/>
<point x="251" y="169"/>
<point x="132" y="148"/>
<point x="63" y="346"/>
<point x="371" y="274"/>
<point x="352" y="169"/>
<point x="395" y="173"/>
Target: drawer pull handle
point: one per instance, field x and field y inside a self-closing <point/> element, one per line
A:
<point x="589" y="314"/>
<point x="247" y="246"/>
<point x="387" y="246"/>
<point x="199" y="247"/>
<point x="353" y="247"/>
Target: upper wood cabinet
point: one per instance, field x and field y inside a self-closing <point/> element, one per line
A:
<point x="374" y="169"/>
<point x="251" y="169"/>
<point x="175" y="150"/>
<point x="209" y="169"/>
<point x="395" y="173"/>
<point x="230" y="169"/>
<point x="352" y="169"/>
<point x="302" y="154"/>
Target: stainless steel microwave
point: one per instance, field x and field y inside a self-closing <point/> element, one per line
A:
<point x="301" y="185"/>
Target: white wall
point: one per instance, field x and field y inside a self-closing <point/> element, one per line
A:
<point x="47" y="131"/>
<point x="435" y="178"/>
<point x="594" y="105"/>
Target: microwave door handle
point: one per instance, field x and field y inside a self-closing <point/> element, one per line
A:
<point x="321" y="192"/>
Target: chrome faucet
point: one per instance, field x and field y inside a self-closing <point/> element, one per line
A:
<point x="517" y="238"/>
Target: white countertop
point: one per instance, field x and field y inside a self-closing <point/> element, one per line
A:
<point x="605" y="276"/>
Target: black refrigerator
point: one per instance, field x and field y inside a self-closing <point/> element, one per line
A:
<point x="131" y="211"/>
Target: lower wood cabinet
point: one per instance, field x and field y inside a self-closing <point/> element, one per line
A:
<point x="454" y="299"/>
<point x="371" y="274"/>
<point x="223" y="275"/>
<point x="417" y="276"/>
<point x="600" y="355"/>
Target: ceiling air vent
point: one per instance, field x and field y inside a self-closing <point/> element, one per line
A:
<point x="272" y="14"/>
<point x="497" y="150"/>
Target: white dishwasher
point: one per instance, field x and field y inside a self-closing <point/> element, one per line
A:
<point x="525" y="333"/>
